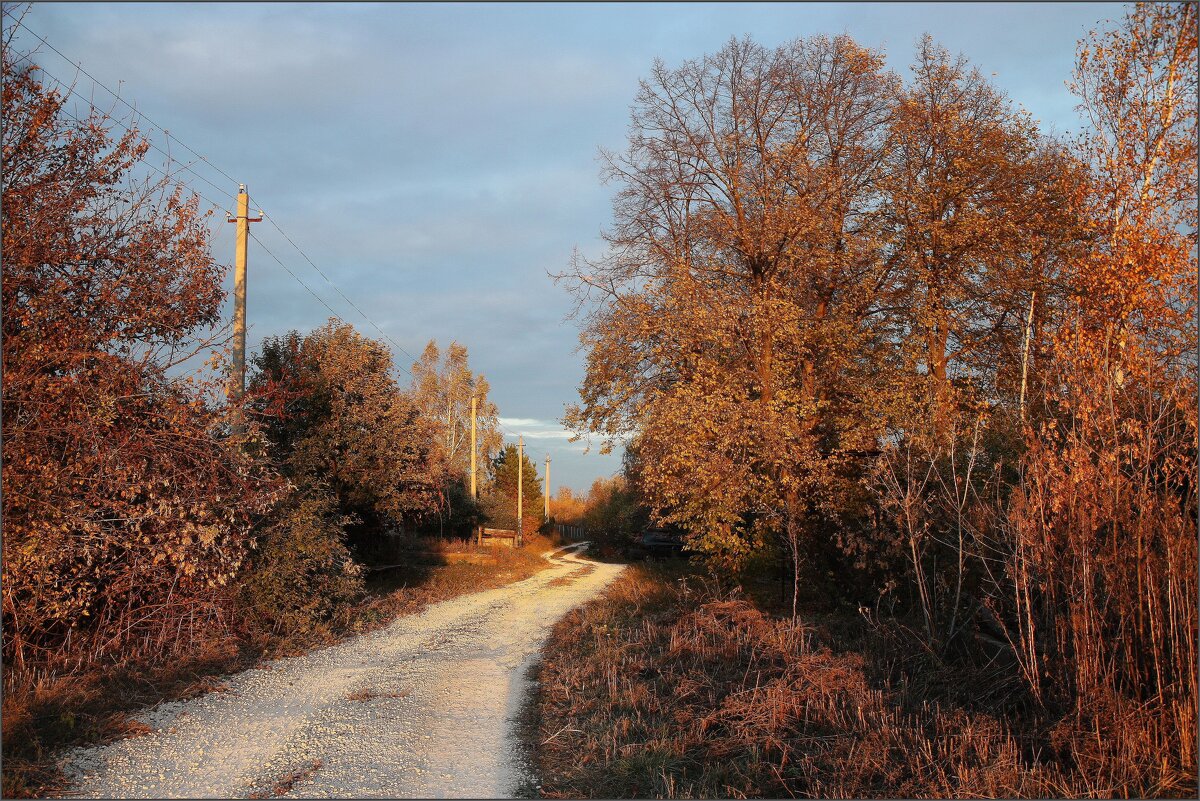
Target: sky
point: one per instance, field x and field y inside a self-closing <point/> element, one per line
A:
<point x="438" y="162"/>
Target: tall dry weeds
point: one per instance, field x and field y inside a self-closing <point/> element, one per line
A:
<point x="663" y="690"/>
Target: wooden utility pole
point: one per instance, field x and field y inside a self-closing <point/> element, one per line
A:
<point x="547" y="486"/>
<point x="237" y="381"/>
<point x="520" y="489"/>
<point x="474" y="490"/>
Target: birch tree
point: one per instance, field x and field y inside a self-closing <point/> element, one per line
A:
<point x="442" y="388"/>
<point x="1102" y="568"/>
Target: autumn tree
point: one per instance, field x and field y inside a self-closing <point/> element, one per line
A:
<point x="733" y="327"/>
<point x="567" y="507"/>
<point x="979" y="207"/>
<point x="1101" y="572"/>
<point x="982" y="214"/>
<point x="334" y="417"/>
<point x="442" y="388"/>
<point x="124" y="512"/>
<point x="836" y="308"/>
<point x="614" y="515"/>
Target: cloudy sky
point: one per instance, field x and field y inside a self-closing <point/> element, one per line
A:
<point x="437" y="161"/>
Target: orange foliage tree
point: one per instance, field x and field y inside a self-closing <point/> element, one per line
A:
<point x="124" y="512"/>
<point x="899" y="317"/>
<point x="1103" y="530"/>
<point x="735" y="334"/>
<point x="982" y="215"/>
<point x="334" y="417"/>
<point x="442" y="388"/>
<point x="567" y="507"/>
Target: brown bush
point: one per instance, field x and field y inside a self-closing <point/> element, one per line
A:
<point x="125" y="510"/>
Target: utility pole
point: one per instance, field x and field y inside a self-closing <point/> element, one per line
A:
<point x="520" y="488"/>
<point x="237" y="382"/>
<point x="474" y="490"/>
<point x="547" y="486"/>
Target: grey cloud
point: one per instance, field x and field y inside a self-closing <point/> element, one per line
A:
<point x="437" y="161"/>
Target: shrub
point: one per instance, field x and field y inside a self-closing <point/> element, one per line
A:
<point x="301" y="571"/>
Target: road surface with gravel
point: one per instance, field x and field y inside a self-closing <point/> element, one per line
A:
<point x="422" y="708"/>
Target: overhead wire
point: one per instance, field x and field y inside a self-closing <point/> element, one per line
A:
<point x="321" y="272"/>
<point x="143" y="115"/>
<point x="292" y="274"/>
<point x="190" y="168"/>
<point x="169" y="175"/>
<point x="166" y="174"/>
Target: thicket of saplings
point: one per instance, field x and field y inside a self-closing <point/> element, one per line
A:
<point x="941" y="363"/>
<point x="149" y="526"/>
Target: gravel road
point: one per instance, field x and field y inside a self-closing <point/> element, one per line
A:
<point x="422" y="708"/>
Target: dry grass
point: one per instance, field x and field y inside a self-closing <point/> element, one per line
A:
<point x="666" y="689"/>
<point x="46" y="711"/>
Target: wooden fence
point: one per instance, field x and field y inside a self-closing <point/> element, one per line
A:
<point x="570" y="532"/>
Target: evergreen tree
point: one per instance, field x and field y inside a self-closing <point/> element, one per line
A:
<point x="499" y="499"/>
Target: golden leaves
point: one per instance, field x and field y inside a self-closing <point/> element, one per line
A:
<point x="110" y="460"/>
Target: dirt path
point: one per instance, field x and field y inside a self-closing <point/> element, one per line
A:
<point x="421" y="708"/>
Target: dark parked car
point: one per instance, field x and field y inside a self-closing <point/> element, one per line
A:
<point x="660" y="542"/>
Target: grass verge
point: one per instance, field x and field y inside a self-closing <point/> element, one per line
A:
<point x="667" y="688"/>
<point x="45" y="712"/>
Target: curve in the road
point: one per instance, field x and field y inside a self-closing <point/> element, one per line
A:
<point x="422" y="708"/>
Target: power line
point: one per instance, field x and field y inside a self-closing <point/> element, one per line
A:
<point x="189" y="168"/>
<point x="144" y="116"/>
<point x="275" y="225"/>
<point x="185" y="166"/>
<point x="170" y="159"/>
<point x="166" y="174"/>
<point x="352" y="304"/>
<point x="293" y="275"/>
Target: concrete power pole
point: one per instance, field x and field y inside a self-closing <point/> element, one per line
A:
<point x="520" y="489"/>
<point x="547" y="486"/>
<point x="237" y="381"/>
<point x="474" y="490"/>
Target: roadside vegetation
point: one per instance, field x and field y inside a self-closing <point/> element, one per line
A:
<point x="52" y="712"/>
<point x="155" y="535"/>
<point x="879" y="336"/>
<point x="915" y="379"/>
<point x="611" y="516"/>
<point x="671" y="687"/>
